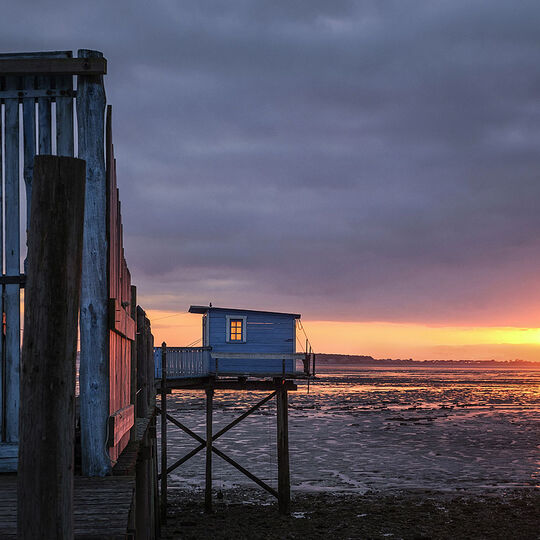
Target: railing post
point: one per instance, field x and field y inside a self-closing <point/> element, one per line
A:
<point x="47" y="414"/>
<point x="164" y="432"/>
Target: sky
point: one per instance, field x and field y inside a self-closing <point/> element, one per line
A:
<point x="373" y="165"/>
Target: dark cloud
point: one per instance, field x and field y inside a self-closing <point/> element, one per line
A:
<point x="373" y="160"/>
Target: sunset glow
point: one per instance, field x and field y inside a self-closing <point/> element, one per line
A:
<point x="384" y="339"/>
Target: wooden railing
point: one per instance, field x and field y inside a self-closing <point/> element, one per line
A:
<point x="183" y="362"/>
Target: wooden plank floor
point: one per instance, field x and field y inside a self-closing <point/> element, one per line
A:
<point x="101" y="506"/>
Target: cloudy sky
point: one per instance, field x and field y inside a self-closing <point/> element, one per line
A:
<point x="373" y="165"/>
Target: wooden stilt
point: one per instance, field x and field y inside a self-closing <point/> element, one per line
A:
<point x="284" y="480"/>
<point x="208" y="488"/>
<point x="164" y="433"/>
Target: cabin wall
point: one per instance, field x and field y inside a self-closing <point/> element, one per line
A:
<point x="265" y="333"/>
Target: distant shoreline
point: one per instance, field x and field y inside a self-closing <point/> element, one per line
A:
<point x="369" y="361"/>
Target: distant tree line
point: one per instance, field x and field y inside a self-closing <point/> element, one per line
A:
<point x="364" y="360"/>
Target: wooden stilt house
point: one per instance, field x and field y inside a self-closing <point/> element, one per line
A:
<point x="241" y="343"/>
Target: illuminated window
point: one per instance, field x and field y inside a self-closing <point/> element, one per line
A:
<point x="236" y="329"/>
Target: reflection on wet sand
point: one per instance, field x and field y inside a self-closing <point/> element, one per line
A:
<point x="366" y="429"/>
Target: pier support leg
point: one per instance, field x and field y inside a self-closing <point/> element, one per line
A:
<point x="164" y="433"/>
<point x="284" y="479"/>
<point x="208" y="486"/>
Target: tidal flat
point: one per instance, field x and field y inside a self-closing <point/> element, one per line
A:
<point x="428" y="445"/>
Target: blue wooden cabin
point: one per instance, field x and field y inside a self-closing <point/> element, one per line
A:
<point x="240" y="343"/>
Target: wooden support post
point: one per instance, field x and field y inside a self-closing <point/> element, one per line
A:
<point x="164" y="432"/>
<point x="208" y="483"/>
<point x="142" y="402"/>
<point x="133" y="348"/>
<point x="55" y="239"/>
<point x="94" y="322"/>
<point x="284" y="480"/>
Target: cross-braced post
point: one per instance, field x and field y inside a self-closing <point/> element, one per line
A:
<point x="284" y="479"/>
<point x="164" y="432"/>
<point x="208" y="486"/>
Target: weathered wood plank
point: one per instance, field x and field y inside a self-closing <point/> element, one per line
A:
<point x="29" y="130"/>
<point x="94" y="363"/>
<point x="133" y="352"/>
<point x="44" y="118"/>
<point x="54" y="66"/>
<point x="64" y="117"/>
<point x="120" y="320"/>
<point x="8" y="457"/>
<point x="2" y="290"/>
<point x="101" y="507"/>
<point x="284" y="479"/>
<point x="47" y="430"/>
<point x="12" y="250"/>
<point x="120" y="423"/>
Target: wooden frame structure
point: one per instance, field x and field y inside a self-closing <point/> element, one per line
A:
<point x="38" y="96"/>
<point x="43" y="83"/>
<point x="279" y="389"/>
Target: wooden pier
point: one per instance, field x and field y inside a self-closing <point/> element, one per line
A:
<point x="87" y="466"/>
<point x="102" y="507"/>
<point x="82" y="466"/>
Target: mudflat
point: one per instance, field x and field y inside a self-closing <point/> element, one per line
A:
<point x="248" y="514"/>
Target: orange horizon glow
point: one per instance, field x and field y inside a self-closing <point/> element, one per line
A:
<point x="382" y="339"/>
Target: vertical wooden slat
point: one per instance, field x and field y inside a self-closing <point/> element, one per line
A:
<point x="29" y="129"/>
<point x="12" y="297"/>
<point x="44" y="118"/>
<point x="64" y="116"/>
<point x="2" y="290"/>
<point x="94" y="366"/>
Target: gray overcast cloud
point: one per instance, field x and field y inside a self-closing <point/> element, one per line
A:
<point x="374" y="160"/>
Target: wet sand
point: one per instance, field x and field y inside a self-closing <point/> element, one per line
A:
<point x="374" y="454"/>
<point x="246" y="514"/>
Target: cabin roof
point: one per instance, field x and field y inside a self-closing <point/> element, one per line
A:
<point x="206" y="309"/>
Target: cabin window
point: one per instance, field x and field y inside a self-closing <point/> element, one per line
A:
<point x="236" y="329"/>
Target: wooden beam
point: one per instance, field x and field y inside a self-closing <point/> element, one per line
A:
<point x="120" y="423"/>
<point x="8" y="457"/>
<point x="53" y="66"/>
<point x="228" y="384"/>
<point x="120" y="320"/>
<point x="208" y="476"/>
<point x="256" y="356"/>
<point x="284" y="479"/>
<point x="47" y="431"/>
<point x="245" y="415"/>
<point x="244" y="471"/>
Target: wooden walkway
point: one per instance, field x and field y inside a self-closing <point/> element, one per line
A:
<point x="101" y="507"/>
